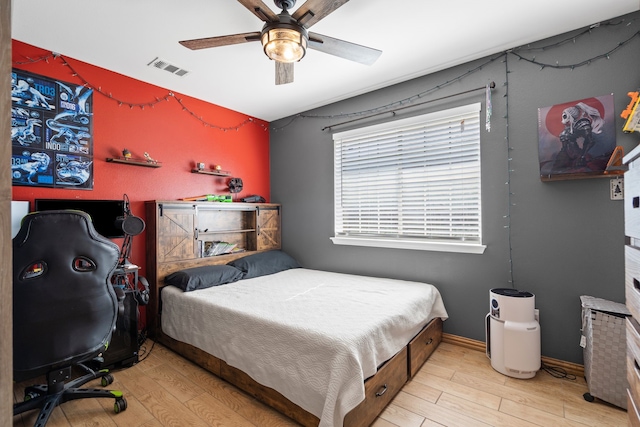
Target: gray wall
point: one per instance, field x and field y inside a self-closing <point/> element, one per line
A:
<point x="558" y="240"/>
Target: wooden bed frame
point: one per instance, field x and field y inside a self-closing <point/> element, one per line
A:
<point x="379" y="389"/>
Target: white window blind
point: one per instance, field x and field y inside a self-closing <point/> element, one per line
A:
<point x="412" y="180"/>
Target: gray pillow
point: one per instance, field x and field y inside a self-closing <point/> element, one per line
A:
<point x="204" y="277"/>
<point x="264" y="263"/>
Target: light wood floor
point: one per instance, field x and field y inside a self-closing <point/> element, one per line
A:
<point x="455" y="387"/>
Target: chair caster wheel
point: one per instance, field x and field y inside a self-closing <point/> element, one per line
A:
<point x="120" y="405"/>
<point x="31" y="395"/>
<point x="588" y="397"/>
<point x="106" y="380"/>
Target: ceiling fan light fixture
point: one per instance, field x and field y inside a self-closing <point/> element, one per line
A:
<point x="285" y="37"/>
<point x="284" y="44"/>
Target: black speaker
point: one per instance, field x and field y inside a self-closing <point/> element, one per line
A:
<point x="123" y="348"/>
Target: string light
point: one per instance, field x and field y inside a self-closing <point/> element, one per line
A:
<point x="573" y="39"/>
<point x="132" y="105"/>
<point x="509" y="170"/>
<point x="388" y="107"/>
<point x="399" y="103"/>
<point x="557" y="65"/>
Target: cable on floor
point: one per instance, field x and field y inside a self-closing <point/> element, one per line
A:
<point x="142" y="338"/>
<point x="557" y="372"/>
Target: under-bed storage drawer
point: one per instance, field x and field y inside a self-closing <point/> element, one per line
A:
<point x="379" y="390"/>
<point x="199" y="357"/>
<point x="423" y="344"/>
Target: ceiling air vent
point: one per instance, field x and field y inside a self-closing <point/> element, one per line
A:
<point x="165" y="65"/>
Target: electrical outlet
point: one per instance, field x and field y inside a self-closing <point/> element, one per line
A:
<point x="617" y="189"/>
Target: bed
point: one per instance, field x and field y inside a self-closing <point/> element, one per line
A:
<point x="326" y="349"/>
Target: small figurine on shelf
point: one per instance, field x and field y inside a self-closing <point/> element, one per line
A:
<point x="126" y="154"/>
<point x="218" y="168"/>
<point x="149" y="159"/>
<point x="200" y="166"/>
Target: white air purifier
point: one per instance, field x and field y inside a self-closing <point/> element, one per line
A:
<point x="513" y="333"/>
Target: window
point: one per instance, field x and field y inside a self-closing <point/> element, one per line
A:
<point x="412" y="183"/>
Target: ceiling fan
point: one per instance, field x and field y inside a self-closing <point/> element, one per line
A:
<point x="285" y="37"/>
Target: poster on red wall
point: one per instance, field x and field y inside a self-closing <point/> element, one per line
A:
<point x="51" y="132"/>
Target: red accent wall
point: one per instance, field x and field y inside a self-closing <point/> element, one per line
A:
<point x="167" y="132"/>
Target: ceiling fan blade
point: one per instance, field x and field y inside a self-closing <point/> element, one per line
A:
<point x="221" y="40"/>
<point x="313" y="11"/>
<point x="284" y="72"/>
<point x="261" y="10"/>
<point x="343" y="49"/>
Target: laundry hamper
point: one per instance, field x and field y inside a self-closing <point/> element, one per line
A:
<point x="604" y="343"/>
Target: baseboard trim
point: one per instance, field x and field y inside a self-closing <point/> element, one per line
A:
<point x="571" y="368"/>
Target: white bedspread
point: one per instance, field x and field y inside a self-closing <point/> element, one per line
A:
<point x="313" y="336"/>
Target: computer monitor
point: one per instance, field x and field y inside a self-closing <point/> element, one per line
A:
<point x="103" y="213"/>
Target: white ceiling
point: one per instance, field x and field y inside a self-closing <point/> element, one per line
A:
<point x="417" y="37"/>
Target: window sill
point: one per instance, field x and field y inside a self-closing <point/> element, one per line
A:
<point x="467" y="248"/>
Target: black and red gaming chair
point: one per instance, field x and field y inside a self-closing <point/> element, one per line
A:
<point x="64" y="309"/>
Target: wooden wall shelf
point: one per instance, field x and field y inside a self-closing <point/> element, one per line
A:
<point x="571" y="176"/>
<point x="134" y="162"/>
<point x="210" y="172"/>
